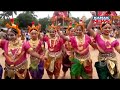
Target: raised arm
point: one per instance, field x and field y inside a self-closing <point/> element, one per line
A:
<point x="90" y="25"/>
<point x="63" y="36"/>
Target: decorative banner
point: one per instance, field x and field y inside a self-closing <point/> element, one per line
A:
<point x="60" y="14"/>
<point x="101" y="13"/>
<point x="116" y="20"/>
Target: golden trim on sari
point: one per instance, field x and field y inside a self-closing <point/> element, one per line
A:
<point x="52" y="57"/>
<point x="10" y="71"/>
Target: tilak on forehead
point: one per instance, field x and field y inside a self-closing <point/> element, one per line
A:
<point x="33" y="27"/>
<point x="13" y="26"/>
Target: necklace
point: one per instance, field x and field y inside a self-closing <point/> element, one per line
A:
<point x="14" y="49"/>
<point x="80" y="43"/>
<point x="14" y="44"/>
<point x="34" y="43"/>
<point x="53" y="43"/>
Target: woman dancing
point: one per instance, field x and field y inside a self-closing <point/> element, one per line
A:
<point x="80" y="58"/>
<point x="16" y="65"/>
<point x="53" y="53"/>
<point x="107" y="65"/>
<point x="36" y="66"/>
<point x="67" y="48"/>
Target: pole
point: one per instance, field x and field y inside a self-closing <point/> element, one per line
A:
<point x="63" y="21"/>
<point x="68" y="14"/>
<point x="96" y="13"/>
<point x="56" y="20"/>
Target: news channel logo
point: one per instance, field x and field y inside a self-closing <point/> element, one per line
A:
<point x="101" y="19"/>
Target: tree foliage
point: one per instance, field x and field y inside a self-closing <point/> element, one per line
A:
<point x="7" y="14"/>
<point x="25" y="19"/>
<point x="4" y="22"/>
<point x="44" y="22"/>
<point x="30" y="12"/>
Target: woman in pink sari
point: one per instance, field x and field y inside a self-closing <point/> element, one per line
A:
<point x="36" y="65"/>
<point x="67" y="48"/>
<point x="107" y="62"/>
<point x="15" y="51"/>
<point x="54" y="46"/>
<point x="80" y="55"/>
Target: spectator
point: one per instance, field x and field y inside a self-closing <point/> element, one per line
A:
<point x="27" y="37"/>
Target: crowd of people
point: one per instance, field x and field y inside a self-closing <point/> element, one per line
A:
<point x="60" y="46"/>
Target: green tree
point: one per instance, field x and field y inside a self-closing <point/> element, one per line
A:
<point x="28" y="12"/>
<point x="31" y="12"/>
<point x="4" y="15"/>
<point x="4" y="22"/>
<point x="25" y="19"/>
<point x="14" y="12"/>
<point x="7" y="14"/>
<point x="44" y="22"/>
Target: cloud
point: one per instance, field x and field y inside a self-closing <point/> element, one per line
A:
<point x="43" y="14"/>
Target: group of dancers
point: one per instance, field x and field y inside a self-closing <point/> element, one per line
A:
<point x="66" y="47"/>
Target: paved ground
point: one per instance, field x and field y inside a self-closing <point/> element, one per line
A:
<point x="94" y="54"/>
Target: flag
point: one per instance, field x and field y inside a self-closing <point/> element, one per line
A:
<point x="70" y="15"/>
